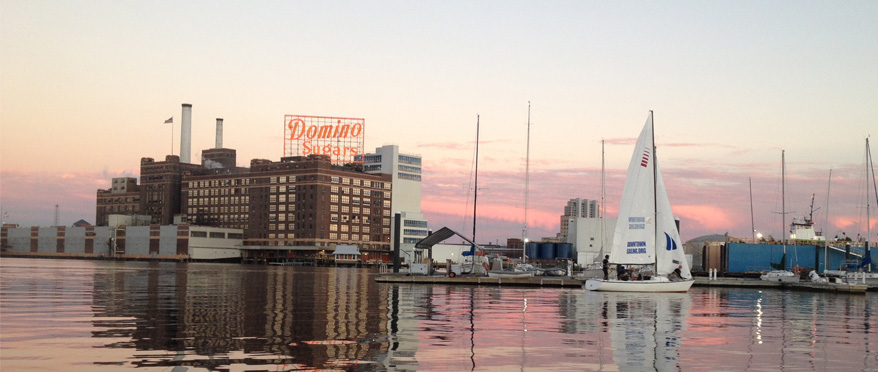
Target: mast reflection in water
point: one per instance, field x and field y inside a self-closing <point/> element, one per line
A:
<point x="69" y="315"/>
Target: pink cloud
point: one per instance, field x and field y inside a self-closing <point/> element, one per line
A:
<point x="29" y="198"/>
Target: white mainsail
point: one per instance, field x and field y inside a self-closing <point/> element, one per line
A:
<point x="634" y="237"/>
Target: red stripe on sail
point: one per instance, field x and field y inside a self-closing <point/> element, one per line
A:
<point x="645" y="159"/>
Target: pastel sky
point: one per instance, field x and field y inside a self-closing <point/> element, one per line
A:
<point x="85" y="87"/>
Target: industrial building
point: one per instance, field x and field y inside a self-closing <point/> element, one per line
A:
<point x="164" y="242"/>
<point x="297" y="207"/>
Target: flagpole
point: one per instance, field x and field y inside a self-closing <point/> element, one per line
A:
<point x="171" y="120"/>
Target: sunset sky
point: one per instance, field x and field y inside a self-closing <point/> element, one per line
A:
<point x="85" y="87"/>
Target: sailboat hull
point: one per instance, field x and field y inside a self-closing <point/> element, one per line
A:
<point x="658" y="286"/>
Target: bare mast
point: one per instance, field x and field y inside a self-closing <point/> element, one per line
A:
<point x="783" y="205"/>
<point x="526" y="189"/>
<point x="476" y="186"/>
<point x="868" y="203"/>
<point x="603" y="209"/>
<point x="826" y="225"/>
<point x="752" y="223"/>
<point x="654" y="188"/>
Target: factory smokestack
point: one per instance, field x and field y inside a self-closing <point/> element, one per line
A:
<point x="219" y="133"/>
<point x="186" y="134"/>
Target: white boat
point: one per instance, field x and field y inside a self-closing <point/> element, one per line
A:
<point x="510" y="274"/>
<point x="865" y="274"/>
<point x="554" y="271"/>
<point x="646" y="233"/>
<point x="782" y="276"/>
<point x="780" y="272"/>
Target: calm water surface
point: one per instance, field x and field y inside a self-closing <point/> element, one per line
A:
<point x="70" y="315"/>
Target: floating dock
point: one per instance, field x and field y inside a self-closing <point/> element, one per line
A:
<point x="534" y="281"/>
<point x="804" y="286"/>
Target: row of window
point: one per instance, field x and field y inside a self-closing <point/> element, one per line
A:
<point x="415" y="232"/>
<point x="220" y="200"/>
<point x="215" y="235"/>
<point x="406" y="159"/>
<point x="414" y="223"/>
<point x="129" y="200"/>
<point x="411" y="177"/>
<point x="217" y="183"/>
<point x="218" y="192"/>
<point x="409" y="168"/>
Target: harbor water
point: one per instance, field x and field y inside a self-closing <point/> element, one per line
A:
<point x="75" y="315"/>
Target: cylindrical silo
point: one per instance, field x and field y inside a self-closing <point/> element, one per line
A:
<point x="532" y="250"/>
<point x="565" y="250"/>
<point x="547" y="250"/>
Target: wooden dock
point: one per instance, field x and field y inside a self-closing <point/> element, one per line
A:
<point x="803" y="286"/>
<point x="535" y="281"/>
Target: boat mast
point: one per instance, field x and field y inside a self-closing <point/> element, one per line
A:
<point x="654" y="191"/>
<point x="868" y="203"/>
<point x="602" y="210"/>
<point x="752" y="223"/>
<point x="526" y="189"/>
<point x="476" y="186"/>
<point x="826" y="225"/>
<point x="783" y="205"/>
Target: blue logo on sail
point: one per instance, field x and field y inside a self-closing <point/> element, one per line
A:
<point x="636" y="247"/>
<point x="670" y="244"/>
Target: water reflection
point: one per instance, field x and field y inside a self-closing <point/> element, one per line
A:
<point x="106" y="316"/>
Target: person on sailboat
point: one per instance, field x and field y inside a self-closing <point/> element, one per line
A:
<point x="622" y="273"/>
<point x="606" y="266"/>
<point x="676" y="275"/>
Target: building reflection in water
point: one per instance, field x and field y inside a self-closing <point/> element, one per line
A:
<point x="218" y="315"/>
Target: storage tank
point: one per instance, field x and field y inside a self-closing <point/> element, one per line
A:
<point x="565" y="250"/>
<point x="531" y="250"/>
<point x="547" y="250"/>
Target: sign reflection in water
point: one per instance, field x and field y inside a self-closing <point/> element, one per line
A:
<point x="104" y="316"/>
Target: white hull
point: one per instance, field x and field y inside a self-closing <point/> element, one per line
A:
<point x="854" y="277"/>
<point x="554" y="272"/>
<point x="655" y="285"/>
<point x="592" y="274"/>
<point x="780" y="276"/>
<point x="510" y="274"/>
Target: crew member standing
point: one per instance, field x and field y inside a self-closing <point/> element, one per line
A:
<point x="606" y="266"/>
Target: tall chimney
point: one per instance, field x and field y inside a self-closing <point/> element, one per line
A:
<point x="219" y="133"/>
<point x="186" y="134"/>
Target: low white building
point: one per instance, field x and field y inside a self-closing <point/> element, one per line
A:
<point x="585" y="235"/>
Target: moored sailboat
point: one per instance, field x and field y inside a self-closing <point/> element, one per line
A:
<point x="780" y="272"/>
<point x="646" y="234"/>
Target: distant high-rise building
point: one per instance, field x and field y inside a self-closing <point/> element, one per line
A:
<point x="583" y="208"/>
<point x="405" y="171"/>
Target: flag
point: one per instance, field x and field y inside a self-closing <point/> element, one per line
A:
<point x="170" y="120"/>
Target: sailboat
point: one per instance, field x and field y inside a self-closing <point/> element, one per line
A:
<point x="865" y="274"/>
<point x="595" y="268"/>
<point x="780" y="272"/>
<point x="646" y="234"/>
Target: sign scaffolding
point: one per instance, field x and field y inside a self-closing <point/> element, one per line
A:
<point x="339" y="138"/>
